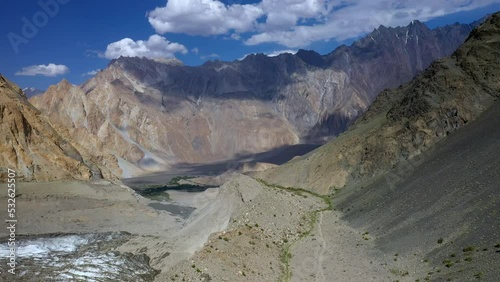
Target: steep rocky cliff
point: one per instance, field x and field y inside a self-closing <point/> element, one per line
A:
<point x="404" y="122"/>
<point x="152" y="114"/>
<point x="31" y="147"/>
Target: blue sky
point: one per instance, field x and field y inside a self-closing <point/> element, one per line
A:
<point x="74" y="38"/>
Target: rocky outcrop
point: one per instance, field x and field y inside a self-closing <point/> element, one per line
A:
<point x="404" y="122"/>
<point x="153" y="115"/>
<point x="31" y="147"/>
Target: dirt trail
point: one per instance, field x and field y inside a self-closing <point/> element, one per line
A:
<point x="337" y="252"/>
<point x="320" y="275"/>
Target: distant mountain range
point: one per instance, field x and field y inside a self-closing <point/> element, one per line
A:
<point x="153" y="115"/>
<point x="31" y="91"/>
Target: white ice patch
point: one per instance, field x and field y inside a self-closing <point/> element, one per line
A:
<point x="74" y="258"/>
<point x="44" y="247"/>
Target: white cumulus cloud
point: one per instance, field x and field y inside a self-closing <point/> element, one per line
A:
<point x="92" y="72"/>
<point x="45" y="70"/>
<point x="204" y="17"/>
<point x="155" y="47"/>
<point x="210" y="56"/>
<point x="297" y="23"/>
<point x="342" y="20"/>
<point x="283" y="14"/>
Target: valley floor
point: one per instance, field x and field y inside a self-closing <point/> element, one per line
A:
<point x="435" y="220"/>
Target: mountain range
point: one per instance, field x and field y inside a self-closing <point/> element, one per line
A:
<point x="406" y="121"/>
<point x="154" y="115"/>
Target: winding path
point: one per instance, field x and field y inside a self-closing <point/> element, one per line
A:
<point x="320" y="276"/>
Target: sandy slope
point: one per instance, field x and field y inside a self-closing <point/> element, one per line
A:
<point x="79" y="207"/>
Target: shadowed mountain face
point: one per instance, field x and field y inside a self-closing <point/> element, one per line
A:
<point x="153" y="115"/>
<point x="404" y="122"/>
<point x="31" y="147"/>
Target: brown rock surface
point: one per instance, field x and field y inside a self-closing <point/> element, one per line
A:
<point x="30" y="146"/>
<point x="144" y="136"/>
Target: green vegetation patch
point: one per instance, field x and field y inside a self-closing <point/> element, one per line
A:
<point x="177" y="179"/>
<point x="285" y="258"/>
<point x="478" y="275"/>
<point x="399" y="272"/>
<point x="448" y="263"/>
<point x="469" y="249"/>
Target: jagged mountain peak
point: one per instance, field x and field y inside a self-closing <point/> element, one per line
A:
<point x="383" y="36"/>
<point x="255" y="57"/>
<point x="65" y="82"/>
<point x="417" y="23"/>
<point x="169" y="61"/>
<point x="124" y="61"/>
<point x="413" y="27"/>
<point x="214" y="63"/>
<point x="311" y="57"/>
<point x="63" y="85"/>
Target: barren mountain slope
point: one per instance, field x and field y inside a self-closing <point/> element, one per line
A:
<point x="438" y="214"/>
<point x="154" y="115"/>
<point x="30" y="146"/>
<point x="406" y="121"/>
